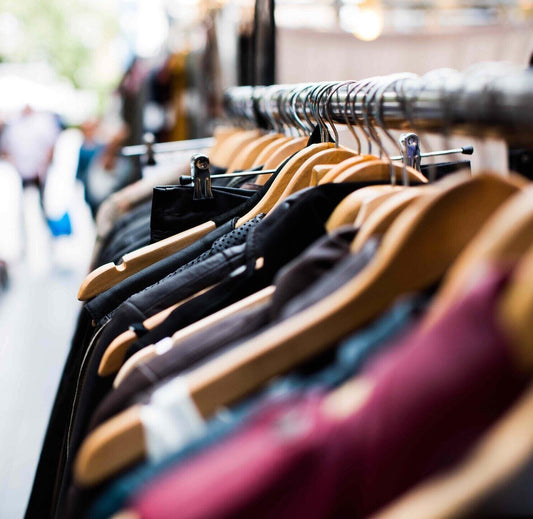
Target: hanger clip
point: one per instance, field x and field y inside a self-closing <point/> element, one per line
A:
<point x="201" y="177"/>
<point x="149" y="141"/>
<point x="410" y="144"/>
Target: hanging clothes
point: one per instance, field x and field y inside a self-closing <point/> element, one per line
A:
<point x="320" y="345"/>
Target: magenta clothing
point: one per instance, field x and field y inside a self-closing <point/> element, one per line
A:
<point x="437" y="393"/>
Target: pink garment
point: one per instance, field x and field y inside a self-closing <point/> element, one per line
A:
<point x="438" y="392"/>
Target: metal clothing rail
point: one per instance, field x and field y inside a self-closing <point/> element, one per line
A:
<point x="493" y="99"/>
<point x="168" y="147"/>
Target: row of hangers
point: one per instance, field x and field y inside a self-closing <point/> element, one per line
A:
<point x="450" y="227"/>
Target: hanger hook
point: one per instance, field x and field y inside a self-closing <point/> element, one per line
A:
<point x="388" y="83"/>
<point x="322" y="100"/>
<point x="307" y="106"/>
<point x="312" y="102"/>
<point x="247" y="108"/>
<point x="351" y="129"/>
<point x="287" y="96"/>
<point x="304" y="120"/>
<point x="358" y="87"/>
<point x="286" y="120"/>
<point x="370" y="88"/>
<point x="321" y="110"/>
<point x="317" y="112"/>
<point x="368" y="98"/>
<point x="292" y="98"/>
<point x="407" y="105"/>
<point x="281" y="110"/>
<point x="268" y="110"/>
<point x="335" y="89"/>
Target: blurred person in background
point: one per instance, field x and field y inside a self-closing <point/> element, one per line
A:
<point x="28" y="143"/>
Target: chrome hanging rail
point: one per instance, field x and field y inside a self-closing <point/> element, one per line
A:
<point x="492" y="99"/>
<point x="168" y="147"/>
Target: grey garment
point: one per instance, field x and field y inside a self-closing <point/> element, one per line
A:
<point x="298" y="275"/>
<point x="341" y="274"/>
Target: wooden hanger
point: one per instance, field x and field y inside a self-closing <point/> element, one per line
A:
<point x="416" y="251"/>
<point x="233" y="145"/>
<point x="141" y="357"/>
<point x="246" y="157"/>
<point x="269" y="150"/>
<point x="114" y="354"/>
<point x="203" y="324"/>
<point x="378" y="169"/>
<point x="502" y="452"/>
<point x="321" y="170"/>
<point x="346" y="212"/>
<point x="352" y="170"/>
<point x="383" y="217"/>
<point x="277" y="188"/>
<point x="286" y="150"/>
<point x="304" y="176"/>
<point x="221" y="135"/>
<point x="108" y="275"/>
<point x="370" y="206"/>
<point x="334" y="171"/>
<point x="503" y="240"/>
<point x="515" y="310"/>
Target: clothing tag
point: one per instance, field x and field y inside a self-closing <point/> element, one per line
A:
<point x="171" y="420"/>
<point x="163" y="345"/>
<point x="348" y="398"/>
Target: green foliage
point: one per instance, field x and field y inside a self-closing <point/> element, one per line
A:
<point x="65" y="33"/>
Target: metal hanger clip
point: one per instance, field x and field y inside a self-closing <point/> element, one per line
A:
<point x="201" y="177"/>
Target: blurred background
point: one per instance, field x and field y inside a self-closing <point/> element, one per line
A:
<point x="79" y="79"/>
